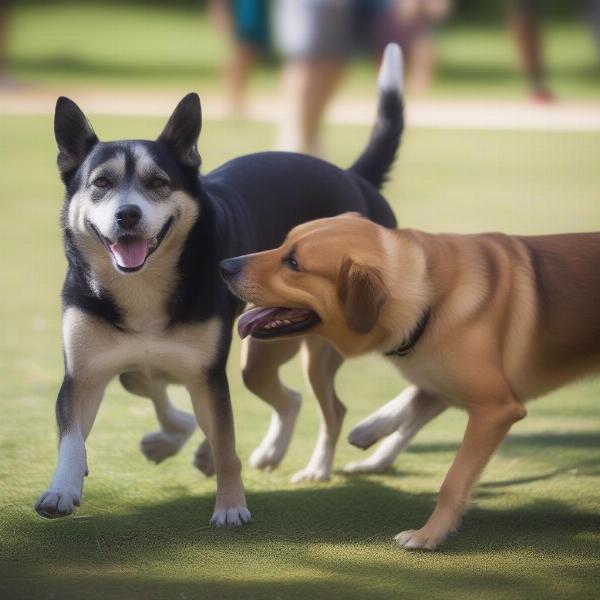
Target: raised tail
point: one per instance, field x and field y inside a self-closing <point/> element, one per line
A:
<point x="378" y="157"/>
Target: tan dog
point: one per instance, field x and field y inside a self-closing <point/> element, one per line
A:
<point x="484" y="322"/>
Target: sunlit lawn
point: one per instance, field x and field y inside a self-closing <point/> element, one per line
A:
<point x="142" y="531"/>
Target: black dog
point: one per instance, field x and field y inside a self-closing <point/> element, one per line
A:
<point x="144" y="235"/>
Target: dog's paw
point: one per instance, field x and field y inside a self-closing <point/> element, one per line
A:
<point x="367" y="433"/>
<point x="55" y="504"/>
<point x="158" y="445"/>
<point x="309" y="475"/>
<point x="366" y="466"/>
<point x="418" y="539"/>
<point x="230" y="517"/>
<point x="203" y="460"/>
<point x="273" y="447"/>
<point x="266" y="457"/>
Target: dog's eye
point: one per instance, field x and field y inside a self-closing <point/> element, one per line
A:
<point x="158" y="182"/>
<point x="101" y="182"/>
<point x="291" y="262"/>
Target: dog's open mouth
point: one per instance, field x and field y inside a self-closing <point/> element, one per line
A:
<point x="263" y="323"/>
<point x="130" y="252"/>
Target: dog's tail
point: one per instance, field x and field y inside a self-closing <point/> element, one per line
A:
<point x="378" y="157"/>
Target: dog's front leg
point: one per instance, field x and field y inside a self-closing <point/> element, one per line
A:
<point x="212" y="405"/>
<point x="76" y="409"/>
<point x="486" y="428"/>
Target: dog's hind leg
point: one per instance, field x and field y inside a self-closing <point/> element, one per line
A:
<point x="176" y="426"/>
<point x="260" y="371"/>
<point x="410" y="411"/>
<point x="321" y="362"/>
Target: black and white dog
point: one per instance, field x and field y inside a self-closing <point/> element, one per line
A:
<point x="144" y="234"/>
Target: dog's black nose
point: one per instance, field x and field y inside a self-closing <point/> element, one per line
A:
<point x="231" y="267"/>
<point x="128" y="216"/>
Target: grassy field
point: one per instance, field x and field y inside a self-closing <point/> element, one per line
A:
<point x="125" y="46"/>
<point x="142" y="531"/>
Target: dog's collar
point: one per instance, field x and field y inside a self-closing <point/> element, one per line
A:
<point x="415" y="335"/>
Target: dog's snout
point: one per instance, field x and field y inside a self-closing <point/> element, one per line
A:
<point x="128" y="216"/>
<point x="231" y="267"/>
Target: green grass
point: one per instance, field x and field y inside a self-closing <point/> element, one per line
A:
<point x="129" y="46"/>
<point x="142" y="531"/>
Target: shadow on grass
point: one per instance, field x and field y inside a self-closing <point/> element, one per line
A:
<point x="77" y="66"/>
<point x="524" y="442"/>
<point x="353" y="512"/>
<point x="523" y="445"/>
<point x="287" y="536"/>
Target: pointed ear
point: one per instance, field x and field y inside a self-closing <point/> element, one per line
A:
<point x="182" y="131"/>
<point x="74" y="135"/>
<point x="362" y="293"/>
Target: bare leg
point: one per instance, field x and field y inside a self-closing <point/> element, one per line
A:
<point x="422" y="64"/>
<point x="212" y="405"/>
<point x="524" y="24"/>
<point x="237" y="72"/>
<point x="308" y="87"/>
<point x="486" y="428"/>
<point x="176" y="426"/>
<point x="413" y="410"/>
<point x="261" y="362"/>
<point x="242" y="57"/>
<point x="76" y="408"/>
<point x="321" y="362"/>
<point x="5" y="21"/>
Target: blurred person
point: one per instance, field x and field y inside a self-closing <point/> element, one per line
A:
<point x="592" y="15"/>
<point x="410" y="23"/>
<point x="6" y="78"/>
<point x="316" y="38"/>
<point x="524" y="23"/>
<point x="246" y="23"/>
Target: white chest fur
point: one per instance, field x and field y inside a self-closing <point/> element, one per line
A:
<point x="96" y="349"/>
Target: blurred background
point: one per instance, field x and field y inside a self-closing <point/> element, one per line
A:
<point x="503" y="133"/>
<point x="298" y="62"/>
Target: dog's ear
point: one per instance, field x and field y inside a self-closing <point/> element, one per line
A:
<point x="182" y="131"/>
<point x="74" y="136"/>
<point x="362" y="293"/>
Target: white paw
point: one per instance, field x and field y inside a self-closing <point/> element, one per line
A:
<point x="203" y="460"/>
<point x="417" y="539"/>
<point x="368" y="432"/>
<point x="311" y="475"/>
<point x="158" y="445"/>
<point x="230" y="517"/>
<point x="366" y="466"/>
<point x="273" y="447"/>
<point x="266" y="457"/>
<point x="55" y="504"/>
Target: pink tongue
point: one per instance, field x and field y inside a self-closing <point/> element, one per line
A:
<point x="252" y="319"/>
<point x="130" y="252"/>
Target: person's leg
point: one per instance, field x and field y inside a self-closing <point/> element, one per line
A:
<point x="592" y="14"/>
<point x="5" y="18"/>
<point x="243" y="25"/>
<point x="523" y="20"/>
<point x="422" y="63"/>
<point x="317" y="40"/>
<point x="237" y="72"/>
<point x="309" y="85"/>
